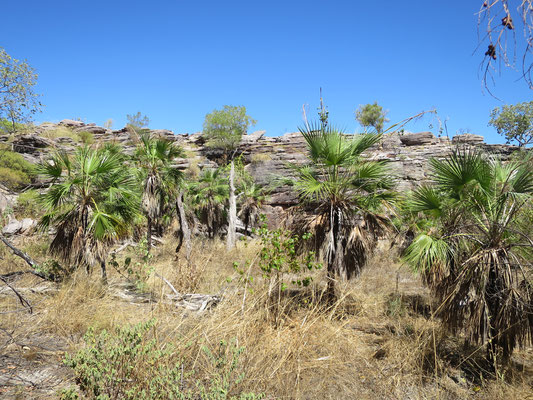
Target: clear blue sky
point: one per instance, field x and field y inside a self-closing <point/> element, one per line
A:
<point x="177" y="60"/>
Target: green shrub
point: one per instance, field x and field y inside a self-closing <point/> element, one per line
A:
<point x="7" y="127"/>
<point x="28" y="204"/>
<point x="15" y="171"/>
<point x="86" y="137"/>
<point x="131" y="364"/>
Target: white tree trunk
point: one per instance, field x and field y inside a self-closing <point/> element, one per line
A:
<point x="232" y="220"/>
<point x="184" y="226"/>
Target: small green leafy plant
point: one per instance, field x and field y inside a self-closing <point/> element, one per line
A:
<point x="131" y="364"/>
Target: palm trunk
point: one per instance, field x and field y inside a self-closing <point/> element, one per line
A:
<point x="184" y="226"/>
<point x="104" y="272"/>
<point x="149" y="234"/>
<point x="232" y="220"/>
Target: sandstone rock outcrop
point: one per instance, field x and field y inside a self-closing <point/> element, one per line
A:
<point x="267" y="158"/>
<point x="417" y="139"/>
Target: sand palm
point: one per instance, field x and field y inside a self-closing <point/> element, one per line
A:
<point x="154" y="157"/>
<point x="209" y="195"/>
<point x="91" y="203"/>
<point x="343" y="193"/>
<point x="476" y="252"/>
<point x="251" y="197"/>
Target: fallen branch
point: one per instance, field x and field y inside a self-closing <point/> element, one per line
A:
<point x="26" y="258"/>
<point x="192" y="301"/>
<point x="168" y="284"/>
<point x="121" y="248"/>
<point x="23" y="301"/>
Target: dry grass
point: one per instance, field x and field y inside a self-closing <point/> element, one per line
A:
<point x="375" y="342"/>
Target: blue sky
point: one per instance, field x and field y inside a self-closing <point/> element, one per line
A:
<point x="175" y="60"/>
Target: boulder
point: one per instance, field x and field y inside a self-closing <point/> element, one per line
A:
<point x="12" y="228"/>
<point x="417" y="139"/>
<point x="31" y="144"/>
<point x="252" y="137"/>
<point x="163" y="133"/>
<point x="5" y="203"/>
<point x="26" y="224"/>
<point x="95" y="130"/>
<point x="70" y="123"/>
<point x="469" y="138"/>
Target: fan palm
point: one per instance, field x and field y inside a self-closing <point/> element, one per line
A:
<point x="209" y="195"/>
<point x="475" y="252"/>
<point x="251" y="197"/>
<point x="154" y="157"/>
<point x="92" y="202"/>
<point x="343" y="193"/>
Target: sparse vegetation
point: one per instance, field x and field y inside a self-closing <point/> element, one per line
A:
<point x="15" y="171"/>
<point x="263" y="319"/>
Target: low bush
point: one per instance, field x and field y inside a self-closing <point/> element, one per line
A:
<point x="28" y="205"/>
<point x="15" y="171"/>
<point x="86" y="137"/>
<point x="132" y="364"/>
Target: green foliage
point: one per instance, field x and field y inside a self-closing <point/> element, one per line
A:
<point x="341" y="193"/>
<point x="131" y="364"/>
<point x="139" y="271"/>
<point x="224" y="128"/>
<point x="159" y="178"/>
<point x="28" y="204"/>
<point x="86" y="137"/>
<point x="371" y="115"/>
<point x="474" y="250"/>
<point x="93" y="201"/>
<point x="15" y="171"/>
<point x="279" y="260"/>
<point x="7" y="126"/>
<point x="208" y="195"/>
<point x="69" y="394"/>
<point x="278" y="255"/>
<point x="18" y="101"/>
<point x="137" y="121"/>
<point x="515" y="122"/>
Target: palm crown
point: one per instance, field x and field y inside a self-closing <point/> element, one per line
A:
<point x="91" y="203"/>
<point x="474" y="254"/>
<point x="346" y="192"/>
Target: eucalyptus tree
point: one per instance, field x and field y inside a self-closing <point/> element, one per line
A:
<point x="342" y="195"/>
<point x="92" y="202"/>
<point x="18" y="100"/>
<point x="223" y="130"/>
<point x="154" y="158"/>
<point x="474" y="252"/>
<point x="209" y="194"/>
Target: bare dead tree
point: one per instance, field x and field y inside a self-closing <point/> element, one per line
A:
<point x="505" y="30"/>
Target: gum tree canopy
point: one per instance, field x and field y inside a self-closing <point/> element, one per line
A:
<point x="18" y="101"/>
<point x="515" y="122"/>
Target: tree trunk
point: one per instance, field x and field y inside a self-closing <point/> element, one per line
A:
<point x="149" y="234"/>
<point x="332" y="254"/>
<point x="184" y="226"/>
<point x="232" y="218"/>
<point x="104" y="272"/>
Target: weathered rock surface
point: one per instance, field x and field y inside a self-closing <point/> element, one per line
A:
<point x="267" y="158"/>
<point x="70" y="123"/>
<point x="417" y="139"/>
<point x="31" y="144"/>
<point x="469" y="138"/>
<point x="95" y="130"/>
<point x="13" y="227"/>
